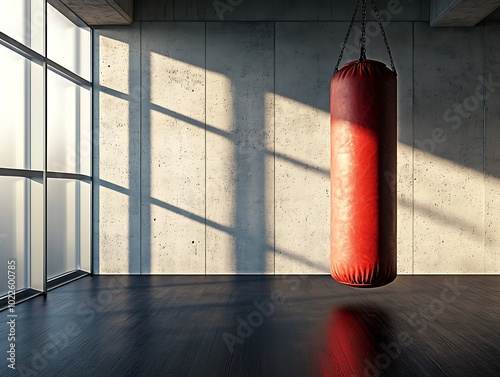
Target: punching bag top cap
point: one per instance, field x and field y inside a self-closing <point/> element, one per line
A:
<point x="365" y="68"/>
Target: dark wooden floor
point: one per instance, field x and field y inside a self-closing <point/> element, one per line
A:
<point x="212" y="326"/>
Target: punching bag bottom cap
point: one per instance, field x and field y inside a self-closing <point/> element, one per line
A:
<point x="363" y="169"/>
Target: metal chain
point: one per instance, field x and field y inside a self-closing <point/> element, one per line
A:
<point x="347" y="37"/>
<point x="362" y="39"/>
<point x="385" y="36"/>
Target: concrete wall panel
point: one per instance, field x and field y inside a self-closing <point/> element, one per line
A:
<point x="117" y="150"/>
<point x="304" y="66"/>
<point x="448" y="141"/>
<point x="492" y="150"/>
<point x="173" y="148"/>
<point x="240" y="136"/>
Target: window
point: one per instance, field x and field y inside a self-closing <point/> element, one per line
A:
<point x="45" y="145"/>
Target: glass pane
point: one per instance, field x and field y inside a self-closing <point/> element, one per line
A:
<point x="68" y="126"/>
<point x="62" y="226"/>
<point x="85" y="151"/>
<point x="85" y="226"/>
<point x="37" y="272"/>
<point x="21" y="112"/>
<point x="37" y="116"/>
<point x="13" y="104"/>
<point x="23" y="21"/>
<point x="68" y="44"/>
<point x="13" y="245"/>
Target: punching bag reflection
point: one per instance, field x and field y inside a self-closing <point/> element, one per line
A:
<point x="363" y="111"/>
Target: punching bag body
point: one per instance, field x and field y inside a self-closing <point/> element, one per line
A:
<point x="363" y="101"/>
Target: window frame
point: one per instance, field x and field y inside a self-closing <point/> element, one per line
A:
<point x="44" y="284"/>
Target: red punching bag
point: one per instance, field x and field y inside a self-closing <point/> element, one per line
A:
<point x="363" y="109"/>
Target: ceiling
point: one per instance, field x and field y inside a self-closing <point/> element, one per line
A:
<point x="443" y="13"/>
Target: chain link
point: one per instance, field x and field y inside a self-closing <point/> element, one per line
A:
<point x="385" y="36"/>
<point x="347" y="37"/>
<point x="362" y="39"/>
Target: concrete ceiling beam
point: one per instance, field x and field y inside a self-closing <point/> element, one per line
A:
<point x="449" y="13"/>
<point x="102" y="12"/>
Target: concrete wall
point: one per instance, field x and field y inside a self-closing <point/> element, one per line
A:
<point x="212" y="152"/>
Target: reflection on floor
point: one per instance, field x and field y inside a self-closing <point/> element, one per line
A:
<point x="261" y="326"/>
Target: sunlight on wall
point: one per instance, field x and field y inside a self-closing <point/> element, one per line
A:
<point x="177" y="165"/>
<point x="114" y="206"/>
<point x="114" y="232"/>
<point x="221" y="174"/>
<point x="172" y="84"/>
<point x="114" y="156"/>
<point x="492" y="217"/>
<point x="404" y="184"/>
<point x="114" y="140"/>
<point x="114" y="54"/>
